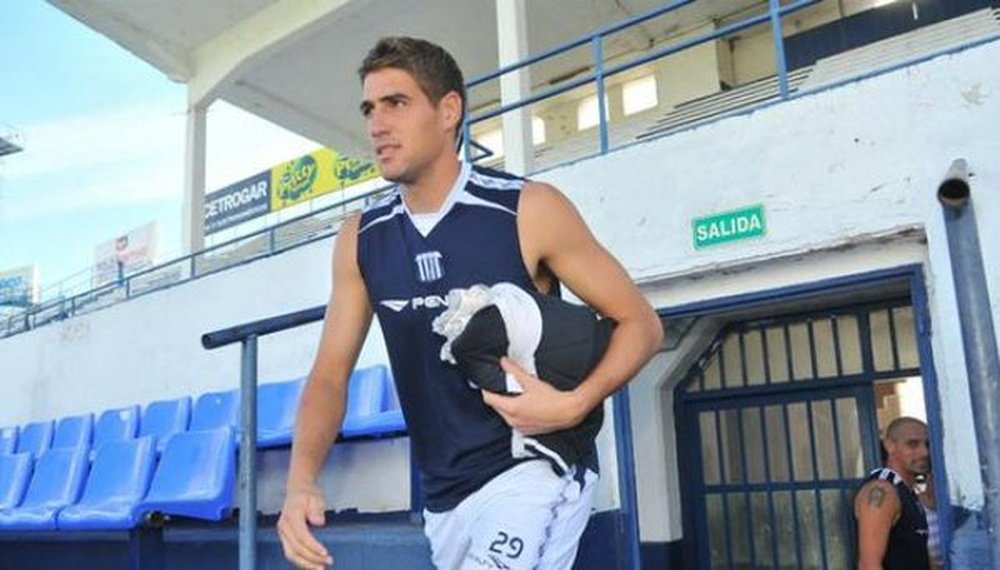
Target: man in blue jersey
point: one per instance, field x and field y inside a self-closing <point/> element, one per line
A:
<point x="451" y="225"/>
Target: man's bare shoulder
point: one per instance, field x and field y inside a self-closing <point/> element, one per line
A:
<point x="876" y="494"/>
<point x="351" y="224"/>
<point x="346" y="240"/>
<point x="542" y="195"/>
<point x="547" y="209"/>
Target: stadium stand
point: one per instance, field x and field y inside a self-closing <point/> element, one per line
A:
<point x="56" y="483"/>
<point x="117" y="470"/>
<point x="215" y="410"/>
<point x="195" y="475"/>
<point x="277" y="403"/>
<point x="35" y="438"/>
<point x="164" y="418"/>
<point x="116" y="425"/>
<point x="8" y="440"/>
<point x="971" y="27"/>
<point x="372" y="407"/>
<point x="74" y="432"/>
<point x="15" y="472"/>
<point x="117" y="482"/>
<point x="722" y="103"/>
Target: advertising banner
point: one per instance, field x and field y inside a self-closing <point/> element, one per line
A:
<point x="19" y="286"/>
<point x="287" y="184"/>
<point x="317" y="173"/>
<point x="125" y="254"/>
<point x="238" y="202"/>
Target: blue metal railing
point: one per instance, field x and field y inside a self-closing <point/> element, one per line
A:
<point x="247" y="335"/>
<point x="66" y="305"/>
<point x="600" y="71"/>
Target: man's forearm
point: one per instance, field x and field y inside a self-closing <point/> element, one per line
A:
<point x="633" y="343"/>
<point x="316" y="428"/>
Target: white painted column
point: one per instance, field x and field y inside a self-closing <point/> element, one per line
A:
<point x="512" y="33"/>
<point x="193" y="232"/>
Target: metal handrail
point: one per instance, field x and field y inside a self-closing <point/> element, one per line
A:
<point x="248" y="334"/>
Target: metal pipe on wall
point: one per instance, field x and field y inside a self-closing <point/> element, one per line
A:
<point x="978" y="337"/>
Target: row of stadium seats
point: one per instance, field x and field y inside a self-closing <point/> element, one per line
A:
<point x="194" y="477"/>
<point x="165" y="464"/>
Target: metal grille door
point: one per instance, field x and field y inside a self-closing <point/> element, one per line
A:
<point x="779" y="424"/>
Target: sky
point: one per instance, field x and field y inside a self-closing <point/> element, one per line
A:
<point x="103" y="135"/>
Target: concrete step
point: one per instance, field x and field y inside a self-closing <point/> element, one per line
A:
<point x="393" y="541"/>
<point x="365" y="546"/>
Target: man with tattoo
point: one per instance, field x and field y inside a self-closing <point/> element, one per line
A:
<point x="892" y="526"/>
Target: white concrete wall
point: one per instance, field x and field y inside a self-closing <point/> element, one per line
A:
<point x="842" y="174"/>
<point x="150" y="347"/>
<point x="835" y="170"/>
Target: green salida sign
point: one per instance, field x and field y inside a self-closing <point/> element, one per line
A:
<point x="725" y="227"/>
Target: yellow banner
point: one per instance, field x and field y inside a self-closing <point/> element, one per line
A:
<point x="317" y="173"/>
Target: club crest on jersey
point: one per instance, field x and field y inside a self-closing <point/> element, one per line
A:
<point x="429" y="266"/>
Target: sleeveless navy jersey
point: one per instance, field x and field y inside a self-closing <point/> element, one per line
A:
<point x="460" y="443"/>
<point x="907" y="548"/>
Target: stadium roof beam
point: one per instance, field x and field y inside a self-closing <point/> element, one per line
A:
<point x="217" y="64"/>
<point x="293" y="62"/>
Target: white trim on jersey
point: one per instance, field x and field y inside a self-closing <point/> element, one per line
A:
<point x="426" y="222"/>
<point x="396" y="210"/>
<point x="495" y="182"/>
<point x="470" y="200"/>
<point x="431" y="219"/>
<point x="540" y="448"/>
<point x="886" y="474"/>
<point x="383" y="201"/>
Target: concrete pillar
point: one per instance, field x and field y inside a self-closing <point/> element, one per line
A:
<point x="193" y="232"/>
<point x="616" y="101"/>
<point x="512" y="33"/>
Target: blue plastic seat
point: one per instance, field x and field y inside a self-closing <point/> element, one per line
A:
<point x="116" y="425"/>
<point x="215" y="410"/>
<point x="55" y="484"/>
<point x="277" y="404"/>
<point x="8" y="440"/>
<point x="15" y="472"/>
<point x="35" y="438"/>
<point x="163" y="418"/>
<point x="117" y="483"/>
<point x="372" y="406"/>
<point x="74" y="432"/>
<point x="195" y="476"/>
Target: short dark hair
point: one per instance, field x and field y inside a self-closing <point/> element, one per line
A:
<point x="892" y="431"/>
<point x="431" y="66"/>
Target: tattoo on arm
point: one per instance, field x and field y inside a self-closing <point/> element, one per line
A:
<point x="875" y="496"/>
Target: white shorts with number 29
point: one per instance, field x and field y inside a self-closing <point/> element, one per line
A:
<point x="525" y="518"/>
